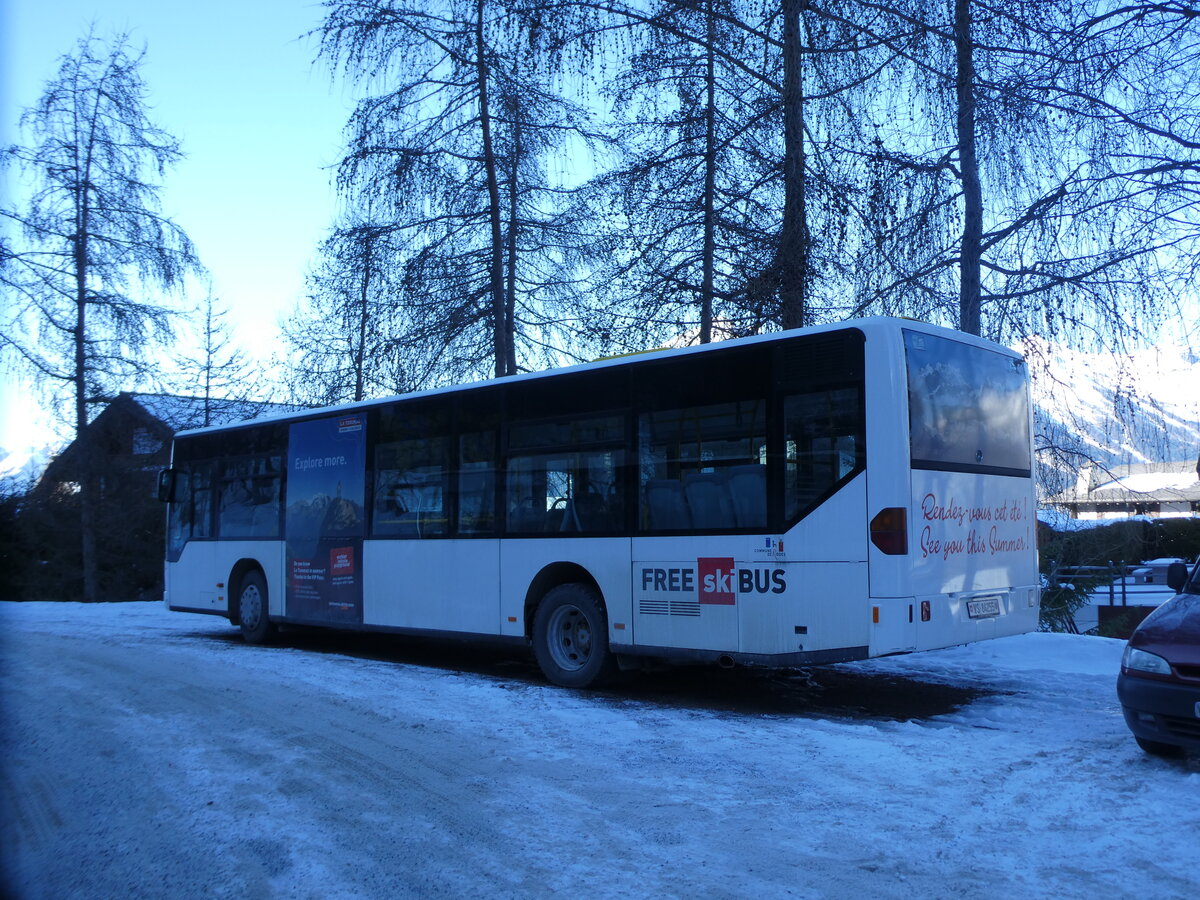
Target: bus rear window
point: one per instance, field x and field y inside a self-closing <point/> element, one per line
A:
<point x="968" y="408"/>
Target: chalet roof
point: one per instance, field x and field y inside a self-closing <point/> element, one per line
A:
<point x="140" y="426"/>
<point x="1168" y="482"/>
<point x="179" y="413"/>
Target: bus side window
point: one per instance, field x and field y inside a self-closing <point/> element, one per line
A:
<point x="704" y="467"/>
<point x="570" y="492"/>
<point x="249" y="498"/>
<point x="538" y="492"/>
<point x="477" y="483"/>
<point x="201" y="498"/>
<point x="823" y="443"/>
<point x="190" y="515"/>
<point x="180" y="516"/>
<point x="410" y="490"/>
<point x="563" y="475"/>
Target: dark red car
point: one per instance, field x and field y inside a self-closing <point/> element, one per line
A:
<point x="1159" y="684"/>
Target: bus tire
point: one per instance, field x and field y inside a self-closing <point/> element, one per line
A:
<point x="570" y="637"/>
<point x="253" y="611"/>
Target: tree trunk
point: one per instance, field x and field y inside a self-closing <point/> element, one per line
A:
<point x="496" y="268"/>
<point x="88" y="482"/>
<point x="510" y="287"/>
<point x="710" y="175"/>
<point x="793" y="241"/>
<point x="360" y="352"/>
<point x="85" y="455"/>
<point x="209" y="359"/>
<point x="969" y="299"/>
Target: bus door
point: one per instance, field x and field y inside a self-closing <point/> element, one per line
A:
<point x="191" y="584"/>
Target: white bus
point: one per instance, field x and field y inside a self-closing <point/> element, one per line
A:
<point x="814" y="496"/>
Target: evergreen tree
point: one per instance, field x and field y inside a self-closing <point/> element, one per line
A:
<point x="93" y="244"/>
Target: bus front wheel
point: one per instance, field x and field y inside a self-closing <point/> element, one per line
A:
<point x="253" y="610"/>
<point x="570" y="637"/>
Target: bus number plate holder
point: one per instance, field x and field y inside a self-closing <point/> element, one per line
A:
<point x="983" y="608"/>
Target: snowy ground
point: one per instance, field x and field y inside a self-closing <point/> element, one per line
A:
<point x="153" y="754"/>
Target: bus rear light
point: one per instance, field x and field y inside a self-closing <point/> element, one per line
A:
<point x="875" y="614"/>
<point x="889" y="530"/>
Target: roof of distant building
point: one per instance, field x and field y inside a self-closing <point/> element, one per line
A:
<point x="179" y="413"/>
<point x="1165" y="482"/>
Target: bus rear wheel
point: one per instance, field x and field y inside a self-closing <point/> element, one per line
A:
<point x="253" y="610"/>
<point x="570" y="637"/>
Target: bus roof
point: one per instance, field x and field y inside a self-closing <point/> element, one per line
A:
<point x="876" y="324"/>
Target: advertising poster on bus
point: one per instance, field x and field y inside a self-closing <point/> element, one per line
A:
<point x="324" y="520"/>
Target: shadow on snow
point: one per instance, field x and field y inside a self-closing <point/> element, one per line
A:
<point x="818" y="692"/>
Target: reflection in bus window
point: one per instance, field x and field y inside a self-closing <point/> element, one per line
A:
<point x="823" y="443"/>
<point x="575" y="492"/>
<point x="410" y="489"/>
<point x="704" y="467"/>
<point x="968" y="407"/>
<point x="477" y="483"/>
<point x="249" y="498"/>
<point x="190" y="516"/>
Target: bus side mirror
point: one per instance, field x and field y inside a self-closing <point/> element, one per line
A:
<point x="1176" y="576"/>
<point x="168" y="482"/>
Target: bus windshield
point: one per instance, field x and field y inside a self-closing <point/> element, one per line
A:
<point x="968" y="407"/>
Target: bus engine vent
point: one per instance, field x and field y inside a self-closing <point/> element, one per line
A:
<point x="649" y="607"/>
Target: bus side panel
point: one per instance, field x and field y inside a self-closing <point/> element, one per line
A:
<point x="685" y="591"/>
<point x="444" y="585"/>
<point x="835" y="531"/>
<point x="825" y="605"/>
<point x="191" y="582"/>
<point x="605" y="559"/>
<point x="200" y="580"/>
<point x="822" y="608"/>
<point x="805" y="590"/>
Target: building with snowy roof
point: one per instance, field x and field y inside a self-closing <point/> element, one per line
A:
<point x="1159" y="490"/>
<point x="123" y="449"/>
<point x="133" y="433"/>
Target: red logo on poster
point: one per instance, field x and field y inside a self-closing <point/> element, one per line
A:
<point x="718" y="580"/>
<point x="341" y="561"/>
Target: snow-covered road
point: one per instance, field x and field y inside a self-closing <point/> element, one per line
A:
<point x="152" y="754"/>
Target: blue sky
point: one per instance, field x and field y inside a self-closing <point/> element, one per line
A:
<point x="259" y="122"/>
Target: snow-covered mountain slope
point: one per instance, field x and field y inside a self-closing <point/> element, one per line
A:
<point x="20" y="468"/>
<point x="1143" y="407"/>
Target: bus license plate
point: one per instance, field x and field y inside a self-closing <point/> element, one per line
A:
<point x="983" y="609"/>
